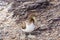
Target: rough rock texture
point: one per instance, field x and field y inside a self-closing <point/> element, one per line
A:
<point x="47" y="15"/>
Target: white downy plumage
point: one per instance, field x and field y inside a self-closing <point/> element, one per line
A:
<point x="29" y="27"/>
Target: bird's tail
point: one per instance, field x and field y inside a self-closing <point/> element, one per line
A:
<point x="32" y="18"/>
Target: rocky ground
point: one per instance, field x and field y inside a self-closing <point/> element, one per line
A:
<point x="12" y="12"/>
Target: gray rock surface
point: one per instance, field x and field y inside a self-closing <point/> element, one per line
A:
<point x="48" y="19"/>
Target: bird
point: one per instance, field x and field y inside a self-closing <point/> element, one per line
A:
<point x="28" y="25"/>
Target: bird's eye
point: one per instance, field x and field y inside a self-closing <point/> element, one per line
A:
<point x="23" y="27"/>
